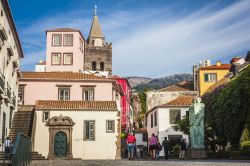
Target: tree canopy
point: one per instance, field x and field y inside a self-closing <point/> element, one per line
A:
<point x="228" y="109"/>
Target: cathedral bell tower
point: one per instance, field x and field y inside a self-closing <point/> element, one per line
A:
<point x="98" y="53"/>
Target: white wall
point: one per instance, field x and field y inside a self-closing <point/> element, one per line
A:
<point x="7" y="69"/>
<point x="40" y="68"/>
<point x="103" y="147"/>
<point x="164" y="128"/>
<point x="139" y="139"/>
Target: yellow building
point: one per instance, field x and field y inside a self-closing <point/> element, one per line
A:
<point x="209" y="75"/>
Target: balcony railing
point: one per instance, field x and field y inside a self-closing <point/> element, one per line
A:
<point x="2" y="80"/>
<point x="13" y="100"/>
<point x="7" y="93"/>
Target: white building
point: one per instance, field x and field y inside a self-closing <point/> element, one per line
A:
<point x="40" y="66"/>
<point x="89" y="128"/>
<point x="162" y="118"/>
<point x="10" y="54"/>
<point x="164" y="95"/>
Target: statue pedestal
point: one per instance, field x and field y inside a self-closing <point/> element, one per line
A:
<point x="196" y="153"/>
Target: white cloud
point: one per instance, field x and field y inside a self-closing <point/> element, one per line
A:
<point x="150" y="42"/>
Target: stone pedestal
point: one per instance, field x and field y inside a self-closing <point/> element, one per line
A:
<point x="196" y="153"/>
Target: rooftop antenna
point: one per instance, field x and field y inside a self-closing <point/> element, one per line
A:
<point x="95" y="11"/>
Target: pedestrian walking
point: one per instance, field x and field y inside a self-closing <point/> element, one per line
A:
<point x="131" y="141"/>
<point x="153" y="146"/>
<point x="165" y="145"/>
<point x="7" y="147"/>
<point x="183" y="149"/>
<point x="158" y="150"/>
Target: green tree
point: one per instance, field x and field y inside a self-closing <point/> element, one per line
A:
<point x="228" y="109"/>
<point x="182" y="125"/>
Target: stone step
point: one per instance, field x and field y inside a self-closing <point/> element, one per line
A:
<point x="34" y="156"/>
<point x="22" y="121"/>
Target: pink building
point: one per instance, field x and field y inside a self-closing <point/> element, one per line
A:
<point x="66" y="86"/>
<point x="65" y="50"/>
<point x="126" y="117"/>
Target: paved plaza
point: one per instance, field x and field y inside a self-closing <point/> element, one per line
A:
<point x="139" y="163"/>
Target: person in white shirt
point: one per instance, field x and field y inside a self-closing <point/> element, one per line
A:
<point x="7" y="145"/>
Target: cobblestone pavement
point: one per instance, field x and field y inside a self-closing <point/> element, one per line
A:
<point x="139" y="163"/>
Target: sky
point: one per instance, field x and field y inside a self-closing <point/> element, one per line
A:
<point x="150" y="38"/>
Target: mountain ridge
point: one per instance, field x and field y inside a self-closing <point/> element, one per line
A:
<point x="140" y="83"/>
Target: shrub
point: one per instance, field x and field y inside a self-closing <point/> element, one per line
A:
<point x="123" y="135"/>
<point x="176" y="150"/>
<point x="245" y="145"/>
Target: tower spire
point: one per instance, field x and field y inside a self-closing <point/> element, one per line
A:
<point x="96" y="30"/>
<point x="95" y="10"/>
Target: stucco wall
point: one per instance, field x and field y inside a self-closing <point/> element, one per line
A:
<point x="102" y="148"/>
<point x="39" y="91"/>
<point x="78" y="55"/>
<point x="139" y="139"/>
<point x="156" y="98"/>
<point x="203" y="86"/>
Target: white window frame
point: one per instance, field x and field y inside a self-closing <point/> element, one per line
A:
<point x="68" y="39"/>
<point x="56" y="61"/>
<point x="88" y="93"/>
<point x="64" y="97"/>
<point x="68" y="61"/>
<point x="56" y="41"/>
<point x="212" y="77"/>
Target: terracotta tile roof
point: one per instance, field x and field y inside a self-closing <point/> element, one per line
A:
<point x="214" y="67"/>
<point x="235" y="60"/>
<point x="181" y="86"/>
<point x="60" y="76"/>
<point x="181" y="101"/>
<point x="41" y="63"/>
<point x="63" y="30"/>
<point x="76" y="105"/>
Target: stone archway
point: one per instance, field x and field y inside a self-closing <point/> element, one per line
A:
<point x="61" y="125"/>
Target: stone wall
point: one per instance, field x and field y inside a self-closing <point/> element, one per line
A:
<point x="98" y="54"/>
<point x="156" y="98"/>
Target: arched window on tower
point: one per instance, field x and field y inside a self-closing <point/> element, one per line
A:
<point x="94" y="66"/>
<point x="102" y="66"/>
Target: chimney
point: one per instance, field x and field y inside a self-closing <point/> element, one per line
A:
<point x="218" y="63"/>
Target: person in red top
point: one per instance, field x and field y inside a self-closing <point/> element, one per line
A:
<point x="131" y="141"/>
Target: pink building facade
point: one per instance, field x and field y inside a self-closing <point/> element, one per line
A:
<point x="126" y="117"/>
<point x="65" y="50"/>
<point x="65" y="86"/>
